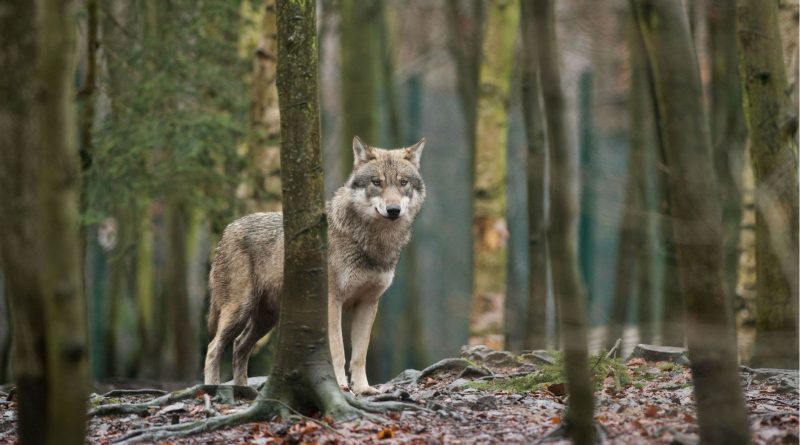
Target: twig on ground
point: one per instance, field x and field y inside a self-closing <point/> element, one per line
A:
<point x="613" y="351"/>
<point x="780" y="402"/>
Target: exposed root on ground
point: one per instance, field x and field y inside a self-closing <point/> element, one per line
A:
<point x="448" y="364"/>
<point x="349" y="408"/>
<point x="222" y="393"/>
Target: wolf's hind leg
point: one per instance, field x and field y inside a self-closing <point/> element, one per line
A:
<point x="244" y="344"/>
<point x="226" y="330"/>
<point x="363" y="317"/>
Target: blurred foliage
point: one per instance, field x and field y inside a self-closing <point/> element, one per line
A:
<point x="175" y="107"/>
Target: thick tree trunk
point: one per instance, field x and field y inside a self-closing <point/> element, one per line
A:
<point x="562" y="234"/>
<point x="360" y="55"/>
<point x="489" y="228"/>
<point x="59" y="180"/>
<point x="696" y="221"/>
<point x="727" y="126"/>
<point x="19" y="247"/>
<point x="302" y="376"/>
<point x="534" y="319"/>
<point x="263" y="191"/>
<point x="772" y="126"/>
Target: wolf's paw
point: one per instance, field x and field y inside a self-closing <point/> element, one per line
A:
<point x="365" y="390"/>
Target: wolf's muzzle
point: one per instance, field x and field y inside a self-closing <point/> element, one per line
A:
<point x="393" y="211"/>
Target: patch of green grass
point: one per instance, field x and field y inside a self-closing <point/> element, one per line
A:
<point x="669" y="366"/>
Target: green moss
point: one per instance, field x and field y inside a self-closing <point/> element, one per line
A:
<point x="668" y="366"/>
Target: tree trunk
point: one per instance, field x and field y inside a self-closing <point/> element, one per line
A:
<point x="696" y="221"/>
<point x="176" y="293"/>
<point x="149" y="338"/>
<point x="586" y="192"/>
<point x="489" y="228"/>
<point x="263" y="170"/>
<point x="59" y="181"/>
<point x="19" y="247"/>
<point x="562" y="234"/>
<point x="534" y="319"/>
<point x="303" y="376"/>
<point x="772" y="126"/>
<point x="727" y="126"/>
<point x="360" y="55"/>
<point x="465" y="36"/>
<point x="643" y="142"/>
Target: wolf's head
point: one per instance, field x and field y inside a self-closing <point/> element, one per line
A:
<point x="386" y="184"/>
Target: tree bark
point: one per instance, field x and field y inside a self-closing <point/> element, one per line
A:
<point x="772" y="126"/>
<point x="489" y="228"/>
<point x="534" y="319"/>
<point x="176" y="293"/>
<point x="19" y="248"/>
<point x="149" y="338"/>
<point x="643" y="142"/>
<point x="696" y="221"/>
<point x="727" y="126"/>
<point x="562" y="234"/>
<point x="360" y="55"/>
<point x="263" y="171"/>
<point x="58" y="195"/>
<point x="465" y="36"/>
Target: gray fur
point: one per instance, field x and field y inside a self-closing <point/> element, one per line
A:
<point x="364" y="245"/>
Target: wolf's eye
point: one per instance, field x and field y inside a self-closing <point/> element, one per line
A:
<point x="376" y="182"/>
<point x="403" y="182"/>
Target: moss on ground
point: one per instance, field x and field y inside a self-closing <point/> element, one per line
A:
<point x="548" y="375"/>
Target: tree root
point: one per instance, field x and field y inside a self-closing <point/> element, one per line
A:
<point x="224" y="393"/>
<point x="448" y="364"/>
<point x="133" y="392"/>
<point x="262" y="409"/>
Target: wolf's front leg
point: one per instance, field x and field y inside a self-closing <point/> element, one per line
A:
<point x="363" y="317"/>
<point x="335" y="336"/>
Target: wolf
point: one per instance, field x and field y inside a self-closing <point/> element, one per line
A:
<point x="369" y="223"/>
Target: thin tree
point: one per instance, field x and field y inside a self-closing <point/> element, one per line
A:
<point x="772" y="127"/>
<point x="727" y="125"/>
<point x="535" y="333"/>
<point x="562" y="232"/>
<point x="489" y="228"/>
<point x="360" y="55"/>
<point x="696" y="221"/>
<point x="263" y="170"/>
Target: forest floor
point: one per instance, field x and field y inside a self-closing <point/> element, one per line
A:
<point x="489" y="397"/>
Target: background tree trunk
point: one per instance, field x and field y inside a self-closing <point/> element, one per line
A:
<point x="360" y="56"/>
<point x="534" y="321"/>
<point x="176" y="293"/>
<point x="696" y="221"/>
<point x="19" y="247"/>
<point x="727" y="125"/>
<point x="562" y="236"/>
<point x="263" y="170"/>
<point x="489" y="227"/>
<point x="772" y="126"/>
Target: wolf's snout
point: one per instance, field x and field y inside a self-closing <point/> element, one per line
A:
<point x="393" y="210"/>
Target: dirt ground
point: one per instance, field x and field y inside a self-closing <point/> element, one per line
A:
<point x="472" y="400"/>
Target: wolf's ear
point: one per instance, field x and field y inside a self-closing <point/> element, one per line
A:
<point x="362" y="153"/>
<point x="414" y="152"/>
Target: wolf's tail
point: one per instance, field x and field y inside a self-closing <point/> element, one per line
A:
<point x="213" y="320"/>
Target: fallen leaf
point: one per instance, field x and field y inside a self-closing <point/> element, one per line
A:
<point x="650" y="410"/>
<point x="555" y="420"/>
<point x="689" y="418"/>
<point x="385" y="433"/>
<point x="557" y="389"/>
